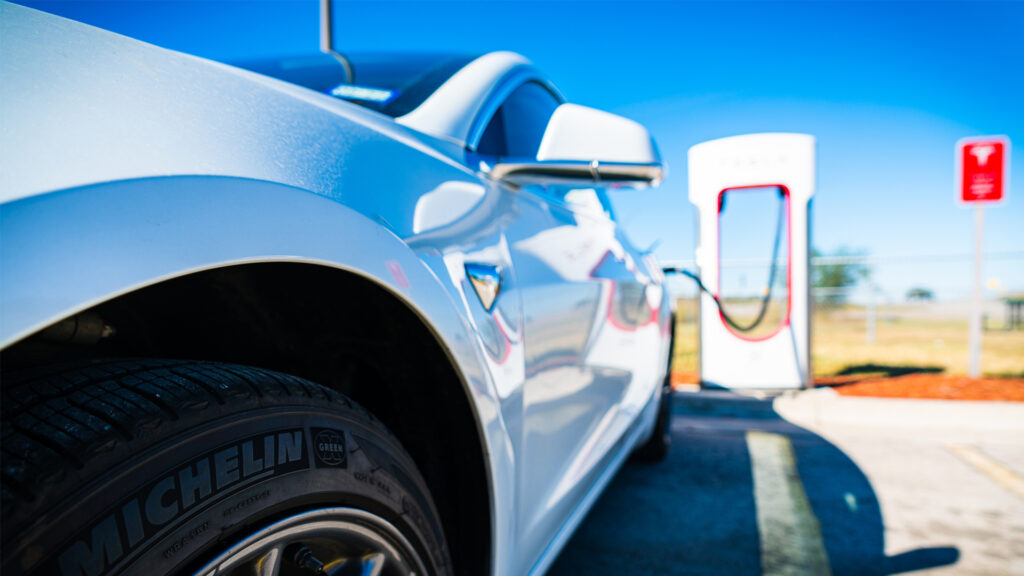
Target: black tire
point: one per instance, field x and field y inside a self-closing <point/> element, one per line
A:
<point x="657" y="447"/>
<point x="159" y="467"/>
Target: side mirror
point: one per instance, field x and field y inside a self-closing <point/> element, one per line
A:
<point x="582" y="143"/>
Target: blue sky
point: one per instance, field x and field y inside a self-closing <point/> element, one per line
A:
<point x="886" y="87"/>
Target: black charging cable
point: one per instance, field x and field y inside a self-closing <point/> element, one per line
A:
<point x="766" y="300"/>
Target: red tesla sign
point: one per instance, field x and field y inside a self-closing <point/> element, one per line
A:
<point x="982" y="163"/>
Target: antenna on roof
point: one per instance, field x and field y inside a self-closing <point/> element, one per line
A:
<point x="326" y="40"/>
<point x="327" y="36"/>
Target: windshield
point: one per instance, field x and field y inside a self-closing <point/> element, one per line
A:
<point x="411" y="78"/>
<point x="393" y="84"/>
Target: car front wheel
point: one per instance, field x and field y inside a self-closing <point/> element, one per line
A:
<point x="175" y="467"/>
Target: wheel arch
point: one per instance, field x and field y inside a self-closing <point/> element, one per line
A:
<point x="169" y="273"/>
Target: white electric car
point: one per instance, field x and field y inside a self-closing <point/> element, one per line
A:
<point x="364" y="315"/>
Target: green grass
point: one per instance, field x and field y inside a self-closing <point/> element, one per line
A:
<point x="839" y="342"/>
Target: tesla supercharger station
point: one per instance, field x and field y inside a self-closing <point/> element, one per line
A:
<point x="722" y="170"/>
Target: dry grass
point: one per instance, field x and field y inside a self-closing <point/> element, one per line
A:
<point x="686" y="345"/>
<point x="839" y="342"/>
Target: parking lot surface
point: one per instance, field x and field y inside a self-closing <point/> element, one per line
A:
<point x="814" y="483"/>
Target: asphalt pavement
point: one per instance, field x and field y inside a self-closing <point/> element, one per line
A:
<point x="815" y="483"/>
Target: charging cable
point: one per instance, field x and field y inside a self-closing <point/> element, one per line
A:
<point x="771" y="279"/>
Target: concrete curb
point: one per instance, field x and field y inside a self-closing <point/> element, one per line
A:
<point x="826" y="406"/>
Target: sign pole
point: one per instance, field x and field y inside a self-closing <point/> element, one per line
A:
<point x="982" y="165"/>
<point x="974" y="328"/>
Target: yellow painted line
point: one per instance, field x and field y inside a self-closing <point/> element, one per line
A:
<point x="791" y="542"/>
<point x="994" y="470"/>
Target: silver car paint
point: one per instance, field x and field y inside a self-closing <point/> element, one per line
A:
<point x="124" y="165"/>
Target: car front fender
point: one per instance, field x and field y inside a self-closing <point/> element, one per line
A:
<point x="67" y="251"/>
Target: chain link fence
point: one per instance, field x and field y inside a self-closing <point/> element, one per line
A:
<point x="890" y="314"/>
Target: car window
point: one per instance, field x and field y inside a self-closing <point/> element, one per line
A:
<point x="518" y="126"/>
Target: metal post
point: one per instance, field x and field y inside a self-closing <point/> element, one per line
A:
<point x="974" y="327"/>
<point x="871" y="314"/>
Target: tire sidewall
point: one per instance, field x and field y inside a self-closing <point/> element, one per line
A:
<point x="186" y="499"/>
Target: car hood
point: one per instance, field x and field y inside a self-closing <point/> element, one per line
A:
<point x="83" y="105"/>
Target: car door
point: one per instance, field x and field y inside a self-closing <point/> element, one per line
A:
<point x="583" y="301"/>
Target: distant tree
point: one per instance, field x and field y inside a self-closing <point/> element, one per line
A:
<point x="920" y="294"/>
<point x="837" y="273"/>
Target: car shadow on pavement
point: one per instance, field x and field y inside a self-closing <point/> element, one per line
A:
<point x="697" y="512"/>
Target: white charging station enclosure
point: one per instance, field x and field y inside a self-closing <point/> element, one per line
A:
<point x="781" y="359"/>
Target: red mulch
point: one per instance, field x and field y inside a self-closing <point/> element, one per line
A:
<point x="936" y="386"/>
<point x="921" y="385"/>
<point x="680" y="378"/>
